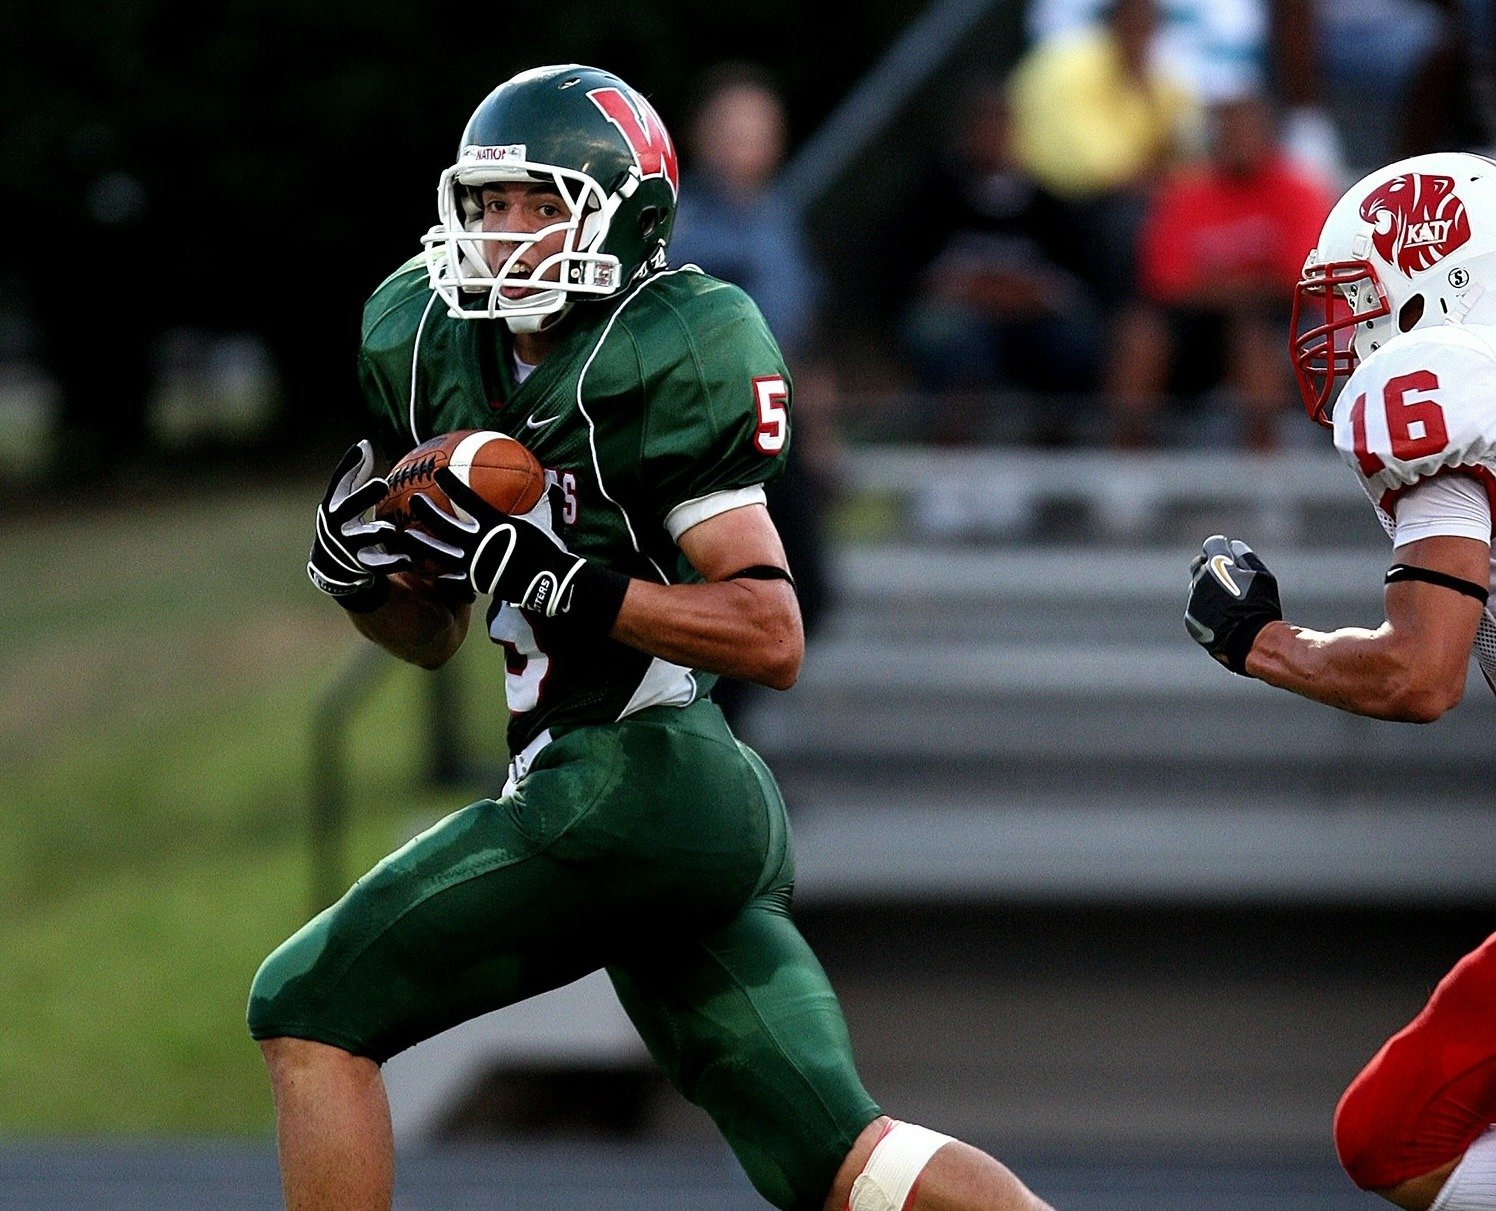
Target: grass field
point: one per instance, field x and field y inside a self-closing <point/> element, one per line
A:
<point x="159" y="676"/>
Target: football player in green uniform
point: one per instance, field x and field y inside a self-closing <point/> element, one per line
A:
<point x="635" y="833"/>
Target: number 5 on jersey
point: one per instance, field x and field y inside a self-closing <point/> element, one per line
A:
<point x="771" y="394"/>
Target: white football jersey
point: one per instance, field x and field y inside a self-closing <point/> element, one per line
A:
<point x="1423" y="403"/>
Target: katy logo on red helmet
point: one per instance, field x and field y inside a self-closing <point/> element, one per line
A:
<point x="643" y="131"/>
<point x="1418" y="220"/>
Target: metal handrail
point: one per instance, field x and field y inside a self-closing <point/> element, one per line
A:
<point x="350" y="690"/>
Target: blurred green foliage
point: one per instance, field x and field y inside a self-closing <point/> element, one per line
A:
<point x="159" y="679"/>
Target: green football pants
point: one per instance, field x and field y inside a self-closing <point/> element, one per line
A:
<point x="656" y="847"/>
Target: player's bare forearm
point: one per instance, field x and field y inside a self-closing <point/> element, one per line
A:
<point x="414" y="624"/>
<point x="1413" y="667"/>
<point x="741" y="628"/>
<point x="1366" y="672"/>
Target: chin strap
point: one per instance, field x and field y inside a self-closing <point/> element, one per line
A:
<point x="536" y="323"/>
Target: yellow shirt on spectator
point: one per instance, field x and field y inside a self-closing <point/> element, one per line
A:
<point x="1083" y="126"/>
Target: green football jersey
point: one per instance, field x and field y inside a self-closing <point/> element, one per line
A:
<point x="659" y="409"/>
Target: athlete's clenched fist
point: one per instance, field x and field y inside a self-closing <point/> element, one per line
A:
<point x="1232" y="597"/>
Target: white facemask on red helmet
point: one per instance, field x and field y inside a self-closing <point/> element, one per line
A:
<point x="1409" y="246"/>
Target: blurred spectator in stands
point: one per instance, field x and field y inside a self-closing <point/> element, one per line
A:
<point x="1480" y="39"/>
<point x="1095" y="119"/>
<point x="1398" y="67"/>
<point x="989" y="293"/>
<point x="1219" y="50"/>
<point x="1096" y="122"/>
<point x="1222" y="246"/>
<point x="1209" y="48"/>
<point x="734" y="223"/>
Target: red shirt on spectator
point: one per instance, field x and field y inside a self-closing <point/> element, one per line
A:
<point x="1205" y="228"/>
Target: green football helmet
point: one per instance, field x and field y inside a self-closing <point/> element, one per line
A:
<point x="609" y="157"/>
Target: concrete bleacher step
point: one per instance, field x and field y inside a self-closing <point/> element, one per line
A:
<point x="811" y="785"/>
<point x="1225" y="846"/>
<point x="1078" y="657"/>
<point x="1035" y="723"/>
<point x="907" y="592"/>
<point x="993" y="493"/>
<point x="1016" y="702"/>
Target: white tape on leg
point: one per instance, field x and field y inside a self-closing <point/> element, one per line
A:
<point x="1472" y="1185"/>
<point x="888" y="1178"/>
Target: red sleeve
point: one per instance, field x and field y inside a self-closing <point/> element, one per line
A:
<point x="1165" y="266"/>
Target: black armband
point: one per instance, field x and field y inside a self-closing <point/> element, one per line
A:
<point x="763" y="571"/>
<point x="1405" y="571"/>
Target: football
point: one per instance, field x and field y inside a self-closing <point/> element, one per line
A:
<point x="494" y="465"/>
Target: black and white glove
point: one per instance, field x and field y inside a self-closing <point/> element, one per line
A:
<point x="514" y="559"/>
<point x="1232" y="597"/>
<point x="351" y="559"/>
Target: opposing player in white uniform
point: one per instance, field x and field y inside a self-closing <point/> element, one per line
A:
<point x="1398" y="303"/>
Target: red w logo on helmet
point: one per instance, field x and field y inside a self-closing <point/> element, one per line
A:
<point x="643" y="131"/>
<point x="1417" y="220"/>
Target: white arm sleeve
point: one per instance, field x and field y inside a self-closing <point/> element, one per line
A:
<point x="693" y="512"/>
<point x="1451" y="504"/>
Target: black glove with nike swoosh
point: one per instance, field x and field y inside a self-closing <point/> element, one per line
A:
<point x="351" y="558"/>
<point x="512" y="558"/>
<point x="1232" y="597"/>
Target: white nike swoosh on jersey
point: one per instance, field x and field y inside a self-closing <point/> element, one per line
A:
<point x="1218" y="566"/>
<point x="532" y="423"/>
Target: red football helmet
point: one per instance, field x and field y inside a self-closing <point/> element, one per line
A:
<point x="1411" y="245"/>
